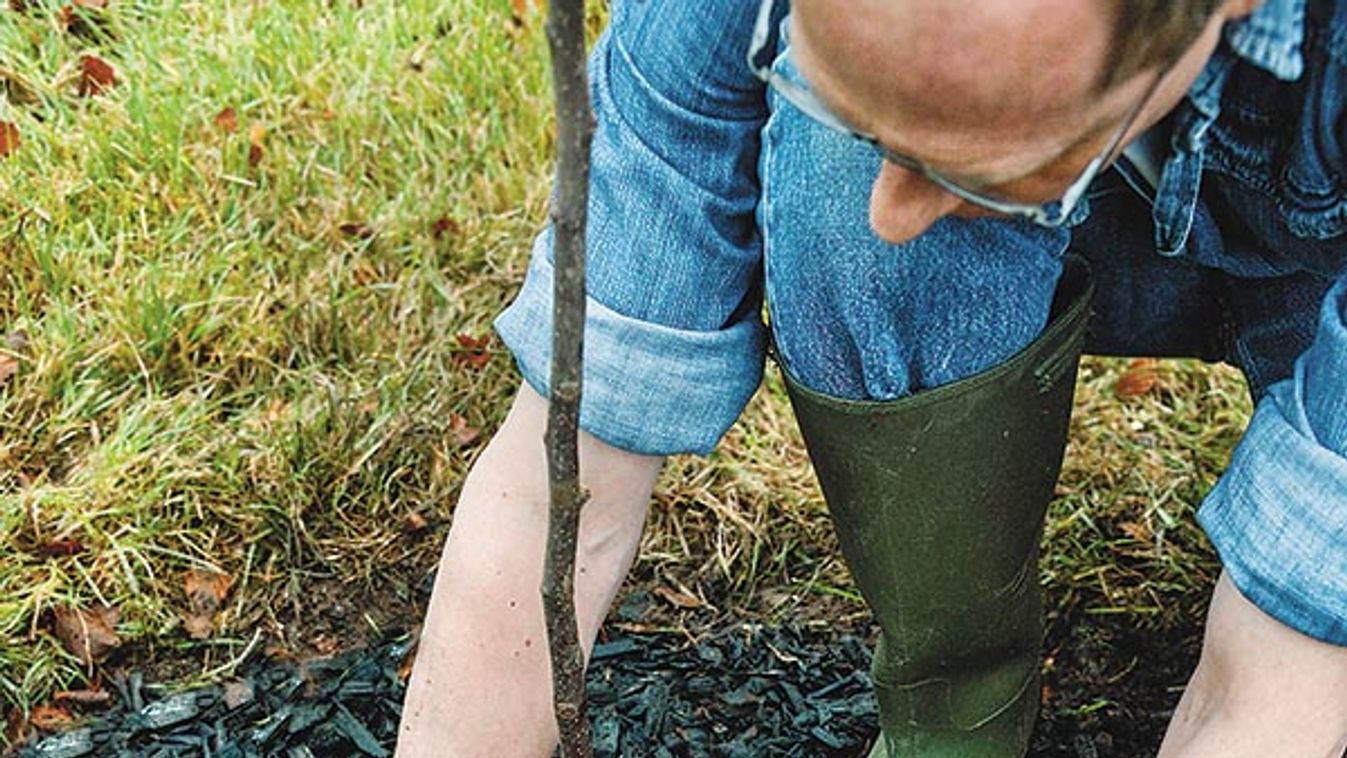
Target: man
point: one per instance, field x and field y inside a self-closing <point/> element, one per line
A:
<point x="913" y="183"/>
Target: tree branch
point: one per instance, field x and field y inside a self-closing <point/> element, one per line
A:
<point x="575" y="128"/>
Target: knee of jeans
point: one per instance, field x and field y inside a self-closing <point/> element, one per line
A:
<point x="856" y="318"/>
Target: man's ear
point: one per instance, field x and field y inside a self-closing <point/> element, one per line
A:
<point x="1240" y="8"/>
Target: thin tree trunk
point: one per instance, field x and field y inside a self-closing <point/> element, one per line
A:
<point x="566" y="41"/>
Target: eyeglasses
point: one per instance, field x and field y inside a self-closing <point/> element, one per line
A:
<point x="799" y="94"/>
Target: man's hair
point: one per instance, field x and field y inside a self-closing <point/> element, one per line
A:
<point x="1148" y="33"/>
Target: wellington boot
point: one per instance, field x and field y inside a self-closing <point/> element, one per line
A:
<point x="938" y="502"/>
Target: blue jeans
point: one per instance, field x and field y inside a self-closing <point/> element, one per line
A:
<point x="709" y="191"/>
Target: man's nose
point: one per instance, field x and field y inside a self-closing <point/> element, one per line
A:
<point x="903" y="204"/>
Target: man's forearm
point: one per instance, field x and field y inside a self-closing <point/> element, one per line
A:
<point x="1261" y="689"/>
<point x="482" y="681"/>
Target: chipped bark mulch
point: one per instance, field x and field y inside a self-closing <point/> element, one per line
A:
<point x="739" y="691"/>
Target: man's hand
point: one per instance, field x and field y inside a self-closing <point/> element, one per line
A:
<point x="482" y="682"/>
<point x="1261" y="690"/>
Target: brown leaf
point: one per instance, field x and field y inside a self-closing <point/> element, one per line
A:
<point x="415" y="523"/>
<point x="88" y="634"/>
<point x="96" y="75"/>
<point x="405" y="668"/>
<point x="519" y="11"/>
<point x="1136" y="531"/>
<point x="206" y="592"/>
<point x="474" y="353"/>
<point x="90" y="698"/>
<point x="49" y="718"/>
<point x="678" y="599"/>
<point x="9" y="138"/>
<point x="9" y="366"/>
<point x="326" y="645"/>
<point x="365" y="275"/>
<point x="356" y="229"/>
<point x="61" y="548"/>
<point x="227" y="121"/>
<point x="444" y="225"/>
<point x="459" y="431"/>
<point x="1139" y="378"/>
<point x="257" y="134"/>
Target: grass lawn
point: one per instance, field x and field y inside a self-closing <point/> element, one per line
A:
<point x="248" y="251"/>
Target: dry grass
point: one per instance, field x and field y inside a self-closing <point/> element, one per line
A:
<point x="248" y="363"/>
<point x="237" y="346"/>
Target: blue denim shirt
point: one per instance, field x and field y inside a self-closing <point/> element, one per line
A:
<point x="1269" y="39"/>
<point x="675" y="343"/>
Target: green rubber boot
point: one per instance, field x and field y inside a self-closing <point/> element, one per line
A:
<point x="938" y="502"/>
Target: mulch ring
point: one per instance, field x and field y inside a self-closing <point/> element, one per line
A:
<point x="737" y="691"/>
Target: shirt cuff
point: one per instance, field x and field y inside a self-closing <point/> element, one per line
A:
<point x="1278" y="517"/>
<point x="648" y="389"/>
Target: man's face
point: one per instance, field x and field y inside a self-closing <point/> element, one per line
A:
<point x="999" y="95"/>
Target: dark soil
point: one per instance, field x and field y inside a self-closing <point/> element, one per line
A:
<point x="1108" y="688"/>
<point x="716" y="687"/>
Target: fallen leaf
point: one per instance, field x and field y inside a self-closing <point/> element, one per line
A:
<point x="227" y="121"/>
<point x="96" y="75"/>
<point x="459" y="431"/>
<point x="9" y="138"/>
<point x="49" y="718"/>
<point x="356" y="229"/>
<point x="206" y="592"/>
<point x="1139" y="378"/>
<point x="278" y="652"/>
<point x="678" y="599"/>
<point x="9" y="366"/>
<point x="409" y="660"/>
<point x="1136" y="531"/>
<point x="365" y="275"/>
<point x="88" y="634"/>
<point x="61" y="548"/>
<point x="443" y="226"/>
<point x="89" y="698"/>
<point x="408" y="663"/>
<point x="474" y="353"/>
<point x="275" y="410"/>
<point x="415" y="522"/>
<point x="257" y="134"/>
<point x="521" y="8"/>
<point x="326" y="645"/>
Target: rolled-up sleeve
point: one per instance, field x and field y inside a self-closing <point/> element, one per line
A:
<point x="1278" y="517"/>
<point x="674" y="341"/>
